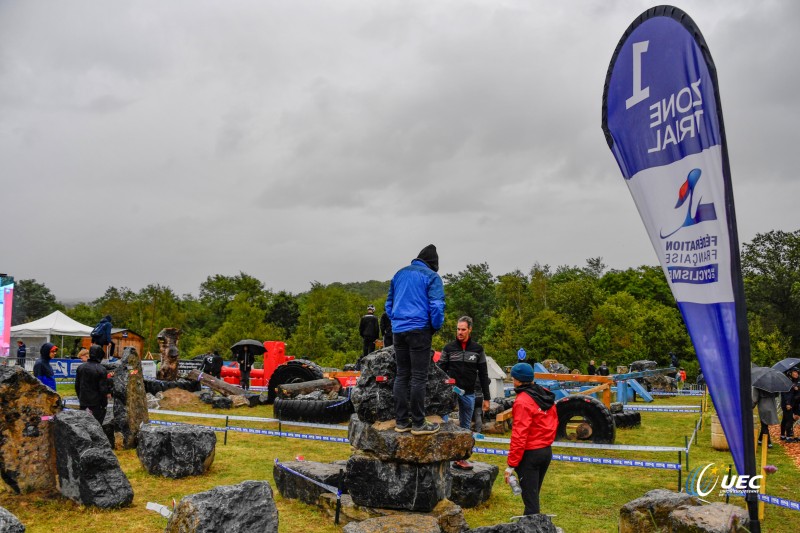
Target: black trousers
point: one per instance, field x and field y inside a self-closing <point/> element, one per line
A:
<point x="413" y="355"/>
<point x="98" y="412"/>
<point x="787" y="423"/>
<point x="387" y="340"/>
<point x="369" y="346"/>
<point x="531" y="471"/>
<point x="764" y="431"/>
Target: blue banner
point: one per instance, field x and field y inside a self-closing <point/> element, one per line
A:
<point x="663" y="122"/>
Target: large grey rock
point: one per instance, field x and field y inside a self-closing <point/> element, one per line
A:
<point x="412" y="487"/>
<point x="221" y="402"/>
<point x="473" y="487"/>
<point x="450" y="443"/>
<point x="374" y="401"/>
<point x="537" y="523"/>
<point x="88" y="471"/>
<point x="176" y="451"/>
<point x="27" y="456"/>
<point x="639" y="366"/>
<point x="10" y="523"/>
<point x="291" y="485"/>
<point x="399" y="523"/>
<point x="449" y="515"/>
<point x="639" y="515"/>
<point x="130" y="402"/>
<point x="714" y="518"/>
<point x="248" y="507"/>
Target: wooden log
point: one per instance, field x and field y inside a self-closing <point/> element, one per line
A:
<point x="290" y="390"/>
<point x="222" y="387"/>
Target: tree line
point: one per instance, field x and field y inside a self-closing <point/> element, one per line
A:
<point x="568" y="313"/>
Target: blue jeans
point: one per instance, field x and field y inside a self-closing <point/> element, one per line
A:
<point x="466" y="405"/>
<point x="413" y="355"/>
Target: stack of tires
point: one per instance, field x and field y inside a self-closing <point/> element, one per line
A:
<point x="308" y="408"/>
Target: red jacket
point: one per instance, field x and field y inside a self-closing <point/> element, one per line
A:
<point x="532" y="428"/>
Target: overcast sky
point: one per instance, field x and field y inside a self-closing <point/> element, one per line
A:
<point x="162" y="142"/>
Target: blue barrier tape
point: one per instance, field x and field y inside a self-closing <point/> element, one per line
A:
<point x="593" y="460"/>
<point x="677" y="393"/>
<point x="329" y="488"/>
<point x="780" y="502"/>
<point x="289" y="434"/>
<point x="660" y="409"/>
<point x="164" y="423"/>
<point x="592" y="446"/>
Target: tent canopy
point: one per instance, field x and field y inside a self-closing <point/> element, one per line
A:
<point x="56" y="323"/>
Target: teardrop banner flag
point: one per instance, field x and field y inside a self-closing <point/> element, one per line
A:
<point x="663" y="122"/>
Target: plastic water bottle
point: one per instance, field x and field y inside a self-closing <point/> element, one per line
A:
<point x="514" y="484"/>
<point x="458" y="390"/>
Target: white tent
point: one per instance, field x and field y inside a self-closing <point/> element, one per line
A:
<point x="56" y="323"/>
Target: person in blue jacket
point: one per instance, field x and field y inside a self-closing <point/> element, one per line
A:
<point x="42" y="369"/>
<point x="101" y="335"/>
<point x="415" y="305"/>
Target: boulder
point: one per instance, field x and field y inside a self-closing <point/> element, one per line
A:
<point x="411" y="487"/>
<point x="27" y="456"/>
<point x="206" y="396"/>
<point x="450" y="443"/>
<point x="239" y="401"/>
<point x="449" y="515"/>
<point x="88" y="471"/>
<point x="176" y="451"/>
<point x="537" y="523"/>
<point x="374" y="401"/>
<point x="248" y="507"/>
<point x="154" y="386"/>
<point x="10" y="523"/>
<point x="717" y="517"/>
<point x="291" y="485"/>
<point x="130" y="402"/>
<point x="640" y="366"/>
<point x="639" y="515"/>
<point x="221" y="402"/>
<point x="400" y="523"/>
<point x="473" y="487"/>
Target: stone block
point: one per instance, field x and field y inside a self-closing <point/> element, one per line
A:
<point x="402" y="523"/>
<point x="10" y="523"/>
<point x="88" y="471"/>
<point x="451" y="443"/>
<point x="714" y="518"/>
<point x="27" y="456"/>
<point x="412" y="487"/>
<point x="130" y="401"/>
<point x="176" y="451"/>
<point x="639" y="515"/>
<point x="290" y="485"/>
<point x="473" y="487"/>
<point x="248" y="507"/>
<point x="449" y="516"/>
<point x="537" y="523"/>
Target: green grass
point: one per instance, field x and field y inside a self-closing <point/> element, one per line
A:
<point x="585" y="498"/>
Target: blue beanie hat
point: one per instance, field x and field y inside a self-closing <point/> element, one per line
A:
<point x="522" y="372"/>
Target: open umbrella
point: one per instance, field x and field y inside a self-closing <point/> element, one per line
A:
<point x="786" y="364"/>
<point x="254" y="347"/>
<point x="769" y="379"/>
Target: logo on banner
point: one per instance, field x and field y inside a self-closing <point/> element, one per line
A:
<point x="704" y="479"/>
<point x="703" y="213"/>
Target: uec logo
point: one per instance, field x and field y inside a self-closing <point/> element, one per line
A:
<point x="700" y="484"/>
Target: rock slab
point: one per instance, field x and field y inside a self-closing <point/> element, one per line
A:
<point x="450" y="443"/>
<point x="27" y="455"/>
<point x="130" y="399"/>
<point x="10" y="523"/>
<point x="714" y="518"/>
<point x="408" y="523"/>
<point x="639" y="515"/>
<point x="449" y="516"/>
<point x="537" y="523"/>
<point x="374" y="401"/>
<point x="88" y="471"/>
<point x="473" y="487"/>
<point x="411" y="487"/>
<point x="291" y="485"/>
<point x="248" y="507"/>
<point x="176" y="451"/>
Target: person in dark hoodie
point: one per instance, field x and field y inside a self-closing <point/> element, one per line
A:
<point x="42" y="369"/>
<point x="415" y="305"/>
<point x="386" y="330"/>
<point x="93" y="384"/>
<point x="532" y="435"/>
<point x="101" y="335"/>
<point x="369" y="330"/>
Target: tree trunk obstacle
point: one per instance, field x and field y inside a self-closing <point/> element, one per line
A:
<point x="217" y="385"/>
<point x="290" y="390"/>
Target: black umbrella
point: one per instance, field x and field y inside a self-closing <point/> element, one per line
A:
<point x="254" y="347"/>
<point x="786" y="364"/>
<point x="769" y="379"/>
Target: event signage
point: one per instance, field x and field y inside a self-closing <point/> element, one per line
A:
<point x="6" y="305"/>
<point x="663" y="122"/>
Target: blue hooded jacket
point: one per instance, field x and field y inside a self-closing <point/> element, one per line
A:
<point x="416" y="295"/>
<point x="103" y="331"/>
<point x="42" y="369"/>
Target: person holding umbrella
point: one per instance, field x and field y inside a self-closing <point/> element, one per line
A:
<point x="787" y="401"/>
<point x="245" y="352"/>
<point x="767" y="383"/>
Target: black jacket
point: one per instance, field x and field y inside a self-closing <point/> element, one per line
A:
<point x="386" y="325"/>
<point x="603" y="370"/>
<point x="466" y="365"/>
<point x="368" y="328"/>
<point x="92" y="384"/>
<point x="788" y="398"/>
<point x="245" y="360"/>
<point x="212" y="364"/>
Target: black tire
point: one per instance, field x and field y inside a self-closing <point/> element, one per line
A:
<point x="294" y="371"/>
<point x="320" y="411"/>
<point x="627" y="420"/>
<point x="585" y="409"/>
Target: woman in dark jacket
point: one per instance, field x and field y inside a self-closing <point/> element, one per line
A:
<point x="42" y="369"/>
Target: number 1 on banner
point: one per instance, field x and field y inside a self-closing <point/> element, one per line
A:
<point x="639" y="93"/>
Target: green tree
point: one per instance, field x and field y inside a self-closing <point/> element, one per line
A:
<point x="284" y="312"/>
<point x="32" y="300"/>
<point x="217" y="291"/>
<point x="767" y="347"/>
<point x="643" y="283"/>
<point x="471" y="292"/>
<point x="552" y="336"/>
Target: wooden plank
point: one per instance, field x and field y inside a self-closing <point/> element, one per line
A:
<point x="597" y="388"/>
<point x="505" y="415"/>
<point x="573" y="377"/>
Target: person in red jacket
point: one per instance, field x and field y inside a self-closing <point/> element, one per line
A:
<point x="532" y="434"/>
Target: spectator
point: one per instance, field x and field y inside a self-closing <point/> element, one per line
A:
<point x="246" y="359"/>
<point x="93" y="385"/>
<point x="767" y="412"/>
<point x="386" y="330"/>
<point x="603" y="370"/>
<point x="370" y="330"/>
<point x="83" y="355"/>
<point x="673" y="359"/>
<point x="532" y="434"/>
<point x="22" y="352"/>
<point x="701" y="380"/>
<point x="591" y="370"/>
<point x="101" y="335"/>
<point x="212" y="364"/>
<point x="787" y="399"/>
<point x="465" y="361"/>
<point x="42" y="369"/>
<point x="415" y="305"/>
<point x="681" y="378"/>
